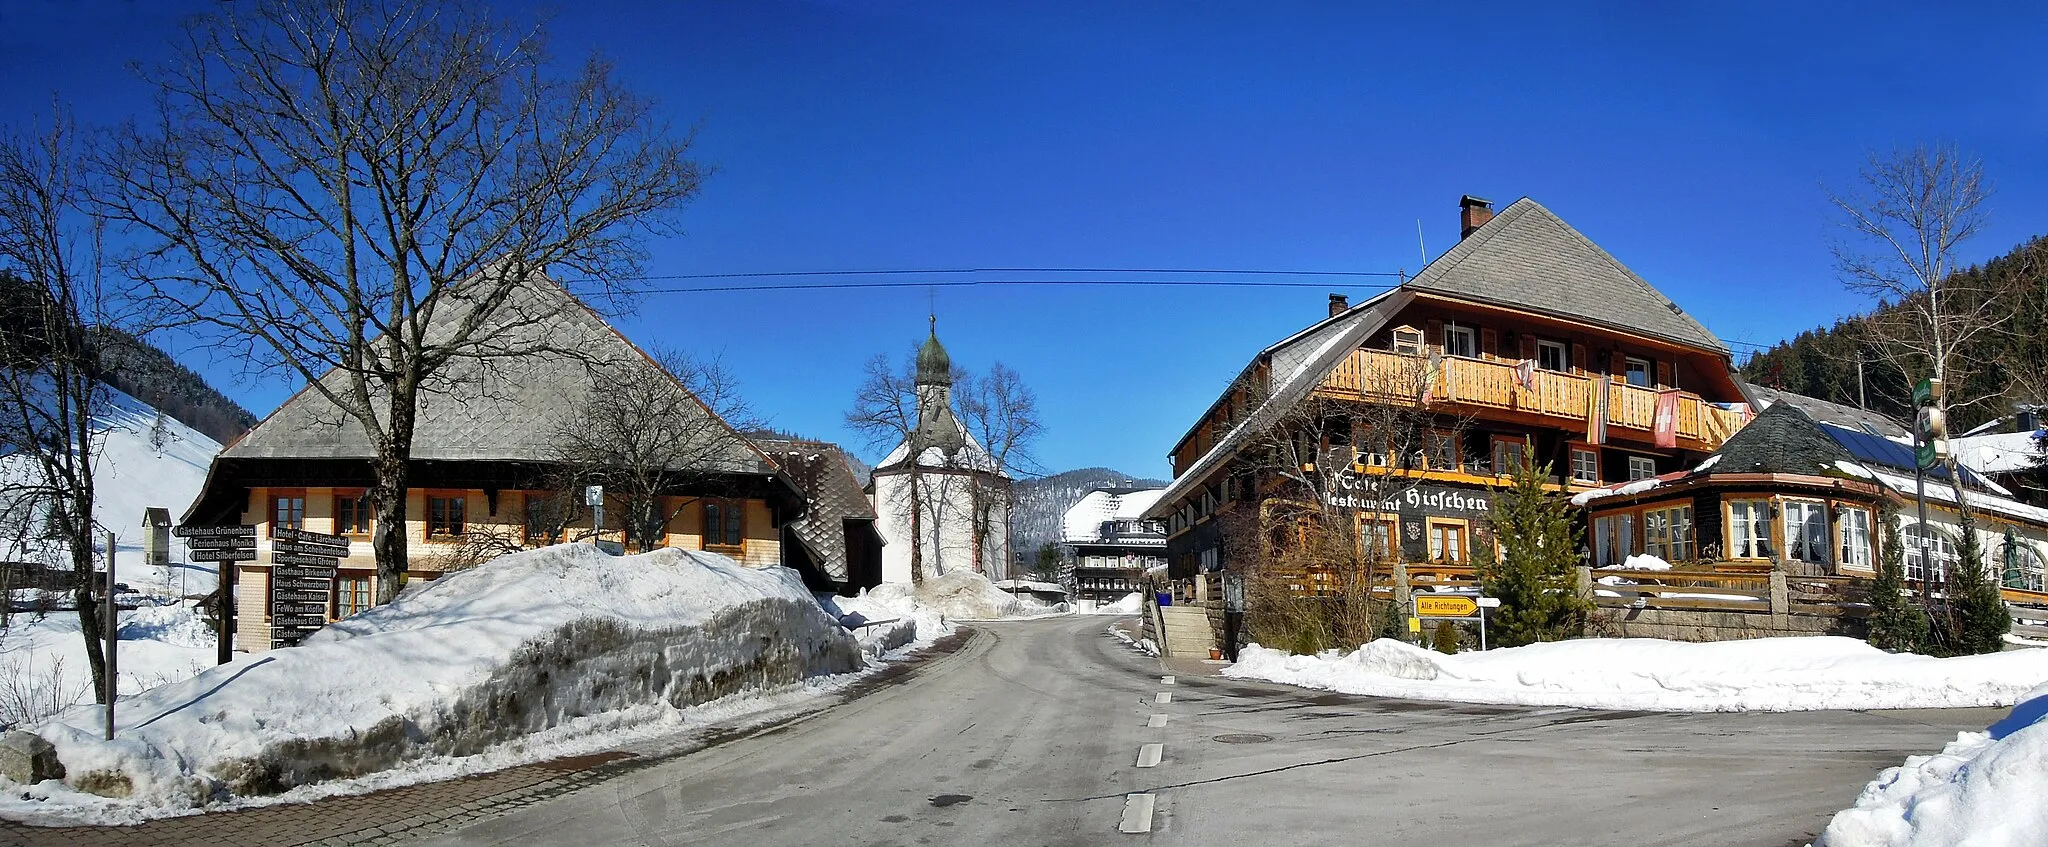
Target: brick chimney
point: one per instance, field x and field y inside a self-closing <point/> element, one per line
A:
<point x="1338" y="304"/>
<point x="1473" y="213"/>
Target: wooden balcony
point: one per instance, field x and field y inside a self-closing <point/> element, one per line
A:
<point x="1488" y="389"/>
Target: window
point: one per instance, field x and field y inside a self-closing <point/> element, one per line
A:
<point x="1446" y="542"/>
<point x="1442" y="451"/>
<point x="1585" y="465"/>
<point x="1408" y="340"/>
<point x="544" y="519"/>
<point x="1638" y="371"/>
<point x="1603" y="542"/>
<point x="1806" y="531"/>
<point x="1550" y="355"/>
<point x="1641" y="467"/>
<point x="1461" y="341"/>
<point x="288" y="511"/>
<point x="1937" y="547"/>
<point x="2026" y="572"/>
<point x="1507" y="454"/>
<point x="1667" y="533"/>
<point x="351" y="514"/>
<point x="351" y="594"/>
<point x="1749" y="529"/>
<point x="723" y="521"/>
<point x="1210" y="560"/>
<point x="1376" y="540"/>
<point x="447" y="515"/>
<point x="1624" y="537"/>
<point x="1856" y="538"/>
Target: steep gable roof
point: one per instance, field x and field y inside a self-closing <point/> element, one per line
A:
<point x="507" y="407"/>
<point x="1528" y="258"/>
<point x="834" y="496"/>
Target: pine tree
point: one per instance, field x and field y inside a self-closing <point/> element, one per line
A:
<point x="159" y="433"/>
<point x="1977" y="620"/>
<point x="1445" y="639"/>
<point x="1532" y="576"/>
<point x="1897" y="623"/>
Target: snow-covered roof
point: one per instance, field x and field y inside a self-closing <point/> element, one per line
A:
<point x="1627" y="489"/>
<point x="971" y="456"/>
<point x="2005" y="452"/>
<point x="1083" y="521"/>
<point x="2005" y="506"/>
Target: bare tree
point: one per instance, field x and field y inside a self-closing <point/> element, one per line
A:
<point x="50" y="393"/>
<point x="885" y="412"/>
<point x="654" y="426"/>
<point x="1908" y="215"/>
<point x="1001" y="412"/>
<point x="1327" y="475"/>
<point x="364" y="190"/>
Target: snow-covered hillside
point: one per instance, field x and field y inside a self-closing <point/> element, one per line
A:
<point x="1041" y="503"/>
<point x="133" y="471"/>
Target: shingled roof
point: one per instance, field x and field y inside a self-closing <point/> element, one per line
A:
<point x="490" y="407"/>
<point x="834" y="496"/>
<point x="1781" y="440"/>
<point x="1529" y="259"/>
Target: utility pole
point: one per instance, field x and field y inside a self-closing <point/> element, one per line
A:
<point x="113" y="628"/>
<point x="1860" y="404"/>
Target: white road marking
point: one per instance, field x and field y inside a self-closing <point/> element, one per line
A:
<point x="1163" y="697"/>
<point x="1166" y="680"/>
<point x="1156" y="721"/>
<point x="1149" y="755"/>
<point x="1137" y="813"/>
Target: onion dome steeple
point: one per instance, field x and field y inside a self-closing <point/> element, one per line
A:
<point x="934" y="367"/>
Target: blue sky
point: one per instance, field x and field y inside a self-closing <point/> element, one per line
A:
<point x="1691" y="140"/>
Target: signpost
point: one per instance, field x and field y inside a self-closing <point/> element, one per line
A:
<point x="593" y="496"/>
<point x="113" y="633"/>
<point x="1452" y="607"/>
<point x="221" y="545"/>
<point x="302" y="567"/>
<point x="1930" y="443"/>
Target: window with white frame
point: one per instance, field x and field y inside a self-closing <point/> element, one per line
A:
<point x="1749" y="529"/>
<point x="1408" y="340"/>
<point x="1667" y="533"/>
<point x="1641" y="467"/>
<point x="1638" y="371"/>
<point x="1856" y="552"/>
<point x="2025" y="572"/>
<point x="1461" y="341"/>
<point x="1806" y="531"/>
<point x="1550" y="355"/>
<point x="1585" y="465"/>
<point x="1924" y="546"/>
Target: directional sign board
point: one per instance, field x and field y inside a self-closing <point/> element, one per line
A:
<point x="1445" y="606"/>
<point x="301" y="582"/>
<point x="232" y="543"/>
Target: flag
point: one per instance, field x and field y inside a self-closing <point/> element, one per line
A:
<point x="1666" y="422"/>
<point x="1525" y="373"/>
<point x="1596" y="411"/>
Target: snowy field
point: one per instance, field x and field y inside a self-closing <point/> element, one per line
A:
<point x="1985" y="789"/>
<point x="1765" y="674"/>
<point x="534" y="655"/>
<point x="43" y="665"/>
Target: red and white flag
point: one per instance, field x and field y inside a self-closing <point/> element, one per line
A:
<point x="1666" y="423"/>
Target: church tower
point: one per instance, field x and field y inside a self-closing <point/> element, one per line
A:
<point x="942" y="502"/>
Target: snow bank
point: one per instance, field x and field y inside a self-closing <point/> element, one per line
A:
<point x="160" y="644"/>
<point x="1130" y="604"/>
<point x="960" y="595"/>
<point x="1767" y="674"/>
<point x="525" y="643"/>
<point x="1984" y="789"/>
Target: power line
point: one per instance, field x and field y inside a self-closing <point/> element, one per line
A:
<point x="957" y="271"/>
<point x="966" y="283"/>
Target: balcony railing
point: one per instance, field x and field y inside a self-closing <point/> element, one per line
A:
<point x="1397" y="377"/>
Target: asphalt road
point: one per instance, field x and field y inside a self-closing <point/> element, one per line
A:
<point x="1032" y="732"/>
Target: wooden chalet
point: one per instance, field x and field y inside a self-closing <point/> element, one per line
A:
<point x="485" y="447"/>
<point x="1529" y="339"/>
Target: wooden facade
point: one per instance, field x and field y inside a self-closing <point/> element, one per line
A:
<point x="1525" y="341"/>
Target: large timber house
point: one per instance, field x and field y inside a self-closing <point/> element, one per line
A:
<point x="483" y="461"/>
<point x="1527" y="341"/>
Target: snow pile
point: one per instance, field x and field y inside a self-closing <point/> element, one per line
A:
<point x="960" y="595"/>
<point x="160" y="644"/>
<point x="1984" y="789"/>
<point x="528" y="642"/>
<point x="1645" y="562"/>
<point x="1131" y="604"/>
<point x="1768" y="674"/>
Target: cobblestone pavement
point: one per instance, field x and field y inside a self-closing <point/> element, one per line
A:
<point x="398" y="814"/>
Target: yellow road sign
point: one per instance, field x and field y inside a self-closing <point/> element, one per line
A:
<point x="1446" y="606"/>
